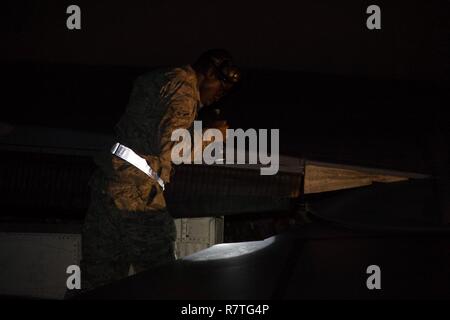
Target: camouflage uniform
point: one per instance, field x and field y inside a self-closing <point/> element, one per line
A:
<point x="127" y="221"/>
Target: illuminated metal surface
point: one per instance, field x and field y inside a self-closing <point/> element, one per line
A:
<point x="230" y="250"/>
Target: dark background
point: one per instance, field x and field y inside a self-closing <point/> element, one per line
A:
<point x="337" y="90"/>
<point x="316" y="36"/>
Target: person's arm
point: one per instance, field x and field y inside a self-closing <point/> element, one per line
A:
<point x="181" y="112"/>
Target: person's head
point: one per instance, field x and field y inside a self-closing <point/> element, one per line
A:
<point x="216" y="75"/>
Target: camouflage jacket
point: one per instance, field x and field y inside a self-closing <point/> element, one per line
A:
<point x="161" y="101"/>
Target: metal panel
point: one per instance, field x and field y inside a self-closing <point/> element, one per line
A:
<point x="195" y="234"/>
<point x="35" y="264"/>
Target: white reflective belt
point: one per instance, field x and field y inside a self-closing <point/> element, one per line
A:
<point x="130" y="156"/>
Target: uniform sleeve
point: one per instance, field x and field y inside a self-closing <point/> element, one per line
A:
<point x="181" y="112"/>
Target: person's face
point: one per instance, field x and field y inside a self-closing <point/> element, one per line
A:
<point x="212" y="89"/>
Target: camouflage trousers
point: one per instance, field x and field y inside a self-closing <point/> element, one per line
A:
<point x="127" y="224"/>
